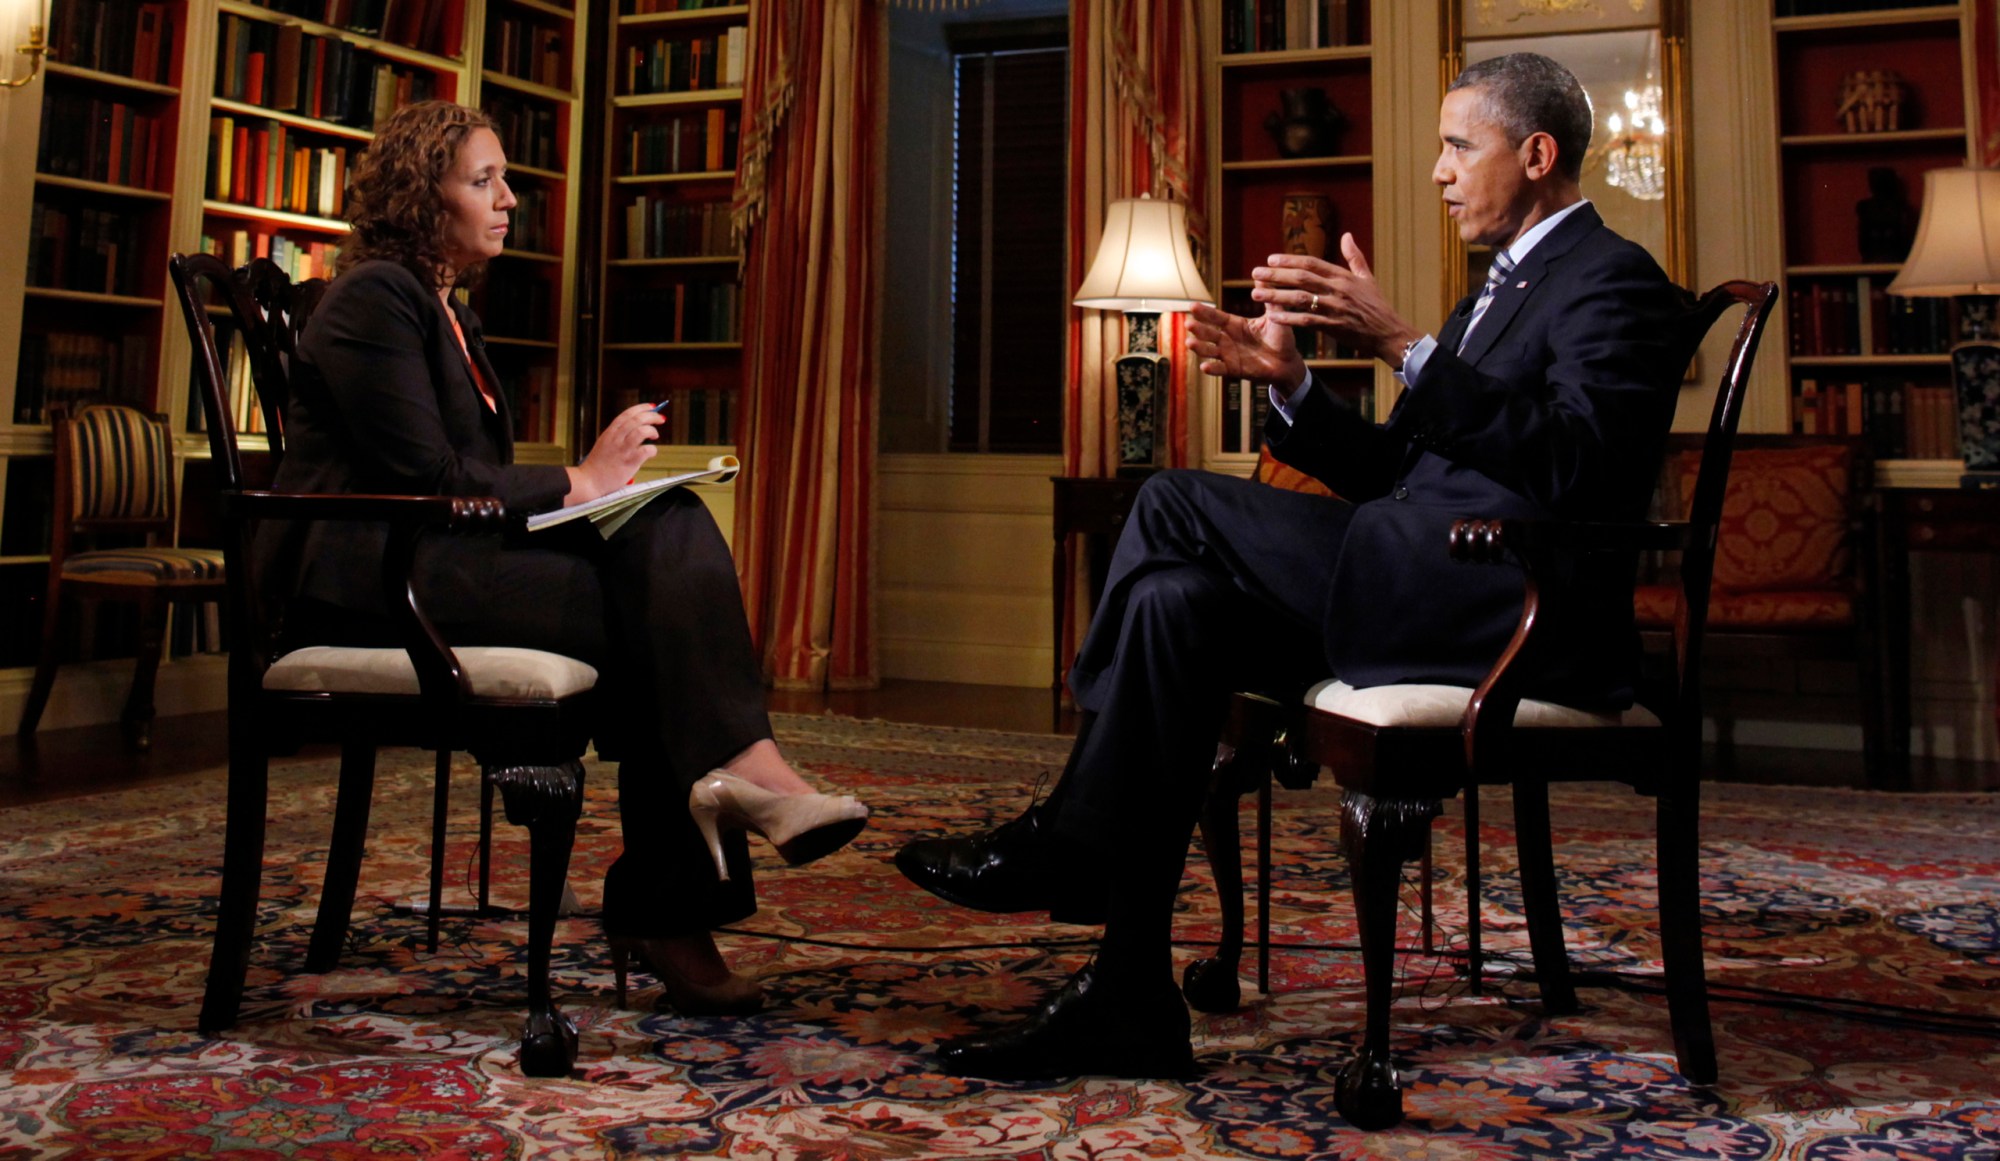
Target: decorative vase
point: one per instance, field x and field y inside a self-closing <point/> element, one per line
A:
<point x="1142" y="373"/>
<point x="1306" y="124"/>
<point x="1308" y="223"/>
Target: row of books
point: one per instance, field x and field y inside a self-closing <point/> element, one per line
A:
<point x="299" y="260"/>
<point x="649" y="7"/>
<point x="657" y="227"/>
<point x="85" y="248"/>
<point x="1857" y="316"/>
<point x="68" y="369"/>
<point x="529" y="227"/>
<point x="1900" y="419"/>
<point x="239" y="386"/>
<point x="1281" y="25"/>
<point x="113" y="36"/>
<point x="98" y="140"/>
<point x="527" y="129"/>
<point x="701" y="416"/>
<point x="519" y="306"/>
<point x="1246" y="407"/>
<point x="700" y="142"/>
<point x="694" y="415"/>
<point x="283" y="68"/>
<point x="196" y="629"/>
<point x="528" y="51"/>
<point x="264" y="164"/>
<point x="687" y="64"/>
<point x="531" y="396"/>
<point x="1829" y="7"/>
<point x="697" y="311"/>
<point x="433" y="26"/>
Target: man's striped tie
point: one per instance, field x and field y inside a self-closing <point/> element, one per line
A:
<point x="1495" y="275"/>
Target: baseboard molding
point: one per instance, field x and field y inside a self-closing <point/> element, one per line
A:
<point x="93" y="692"/>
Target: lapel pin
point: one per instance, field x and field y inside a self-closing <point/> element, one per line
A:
<point x="1521" y="285"/>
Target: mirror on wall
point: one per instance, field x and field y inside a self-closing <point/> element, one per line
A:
<point x="1628" y="56"/>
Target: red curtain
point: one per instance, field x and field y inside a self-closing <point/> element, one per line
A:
<point x="808" y="202"/>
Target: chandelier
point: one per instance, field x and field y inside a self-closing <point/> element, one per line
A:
<point x="1635" y="159"/>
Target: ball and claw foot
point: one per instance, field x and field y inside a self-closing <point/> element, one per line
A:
<point x="1210" y="986"/>
<point x="1366" y="1094"/>
<point x="548" y="1044"/>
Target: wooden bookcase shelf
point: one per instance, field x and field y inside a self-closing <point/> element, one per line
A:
<point x="672" y="293"/>
<point x="1251" y="177"/>
<point x="1858" y="360"/>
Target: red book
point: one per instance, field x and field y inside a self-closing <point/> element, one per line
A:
<point x="239" y="175"/>
<point x="253" y="79"/>
<point x="117" y="146"/>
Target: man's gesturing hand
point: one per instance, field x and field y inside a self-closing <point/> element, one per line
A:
<point x="1258" y="349"/>
<point x="1298" y="291"/>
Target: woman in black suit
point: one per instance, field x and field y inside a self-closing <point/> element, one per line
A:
<point x="393" y="393"/>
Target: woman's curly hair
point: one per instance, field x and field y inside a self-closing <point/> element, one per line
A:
<point x="394" y="198"/>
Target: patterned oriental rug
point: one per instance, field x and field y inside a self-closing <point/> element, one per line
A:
<point x="105" y="918"/>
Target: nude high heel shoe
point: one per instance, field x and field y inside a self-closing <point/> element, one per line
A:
<point x="803" y="827"/>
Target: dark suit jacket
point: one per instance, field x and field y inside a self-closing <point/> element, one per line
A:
<point x="1558" y="407"/>
<point x="384" y="402"/>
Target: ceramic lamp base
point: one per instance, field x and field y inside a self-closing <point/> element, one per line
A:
<point x="1141" y="375"/>
<point x="1975" y="379"/>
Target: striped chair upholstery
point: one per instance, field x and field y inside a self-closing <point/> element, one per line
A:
<point x="146" y="566"/>
<point x="124" y="465"/>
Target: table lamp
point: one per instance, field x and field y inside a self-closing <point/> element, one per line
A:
<point x="1957" y="252"/>
<point x="1143" y="267"/>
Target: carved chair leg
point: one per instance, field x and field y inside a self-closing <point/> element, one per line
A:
<point x="137" y="719"/>
<point x="242" y="878"/>
<point x="46" y="663"/>
<point x="1534" y="847"/>
<point x="485" y="844"/>
<point x="1475" y="954"/>
<point x="1210" y="983"/>
<point x="343" y="857"/>
<point x="1679" y="853"/>
<point x="547" y="800"/>
<point x="1377" y="837"/>
<point x="1264" y="887"/>
<point x="440" y="807"/>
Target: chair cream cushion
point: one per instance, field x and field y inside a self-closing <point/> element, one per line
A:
<point x="1441" y="706"/>
<point x="500" y="671"/>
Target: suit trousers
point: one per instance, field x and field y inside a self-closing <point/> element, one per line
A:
<point x="657" y="609"/>
<point x="1217" y="584"/>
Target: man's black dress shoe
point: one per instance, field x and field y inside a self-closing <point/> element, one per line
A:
<point x="1091" y="1027"/>
<point x="1013" y="867"/>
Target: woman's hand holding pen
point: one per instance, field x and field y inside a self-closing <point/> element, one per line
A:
<point x="626" y="443"/>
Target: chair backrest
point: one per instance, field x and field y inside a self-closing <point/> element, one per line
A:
<point x="1711" y="479"/>
<point x="270" y="313"/>
<point x="114" y="472"/>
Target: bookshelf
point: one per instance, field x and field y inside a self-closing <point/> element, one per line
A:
<point x="227" y="125"/>
<point x="1266" y="50"/>
<point x="1861" y="361"/>
<point x="529" y="79"/>
<point x="671" y="326"/>
<point x="98" y="218"/>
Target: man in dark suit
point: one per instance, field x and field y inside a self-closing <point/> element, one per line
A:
<point x="1548" y="393"/>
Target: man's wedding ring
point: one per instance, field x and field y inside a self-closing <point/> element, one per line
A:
<point x="1314" y="308"/>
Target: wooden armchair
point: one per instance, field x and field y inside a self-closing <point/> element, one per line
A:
<point x="1398" y="751"/>
<point x="114" y="469"/>
<point x="524" y="714"/>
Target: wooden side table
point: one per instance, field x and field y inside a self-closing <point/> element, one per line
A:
<point x="1092" y="508"/>
<point x="1920" y="520"/>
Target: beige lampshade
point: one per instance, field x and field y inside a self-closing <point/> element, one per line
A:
<point x="1143" y="261"/>
<point x="1958" y="237"/>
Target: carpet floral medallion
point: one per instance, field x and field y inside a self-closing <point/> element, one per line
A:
<point x="1853" y="941"/>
